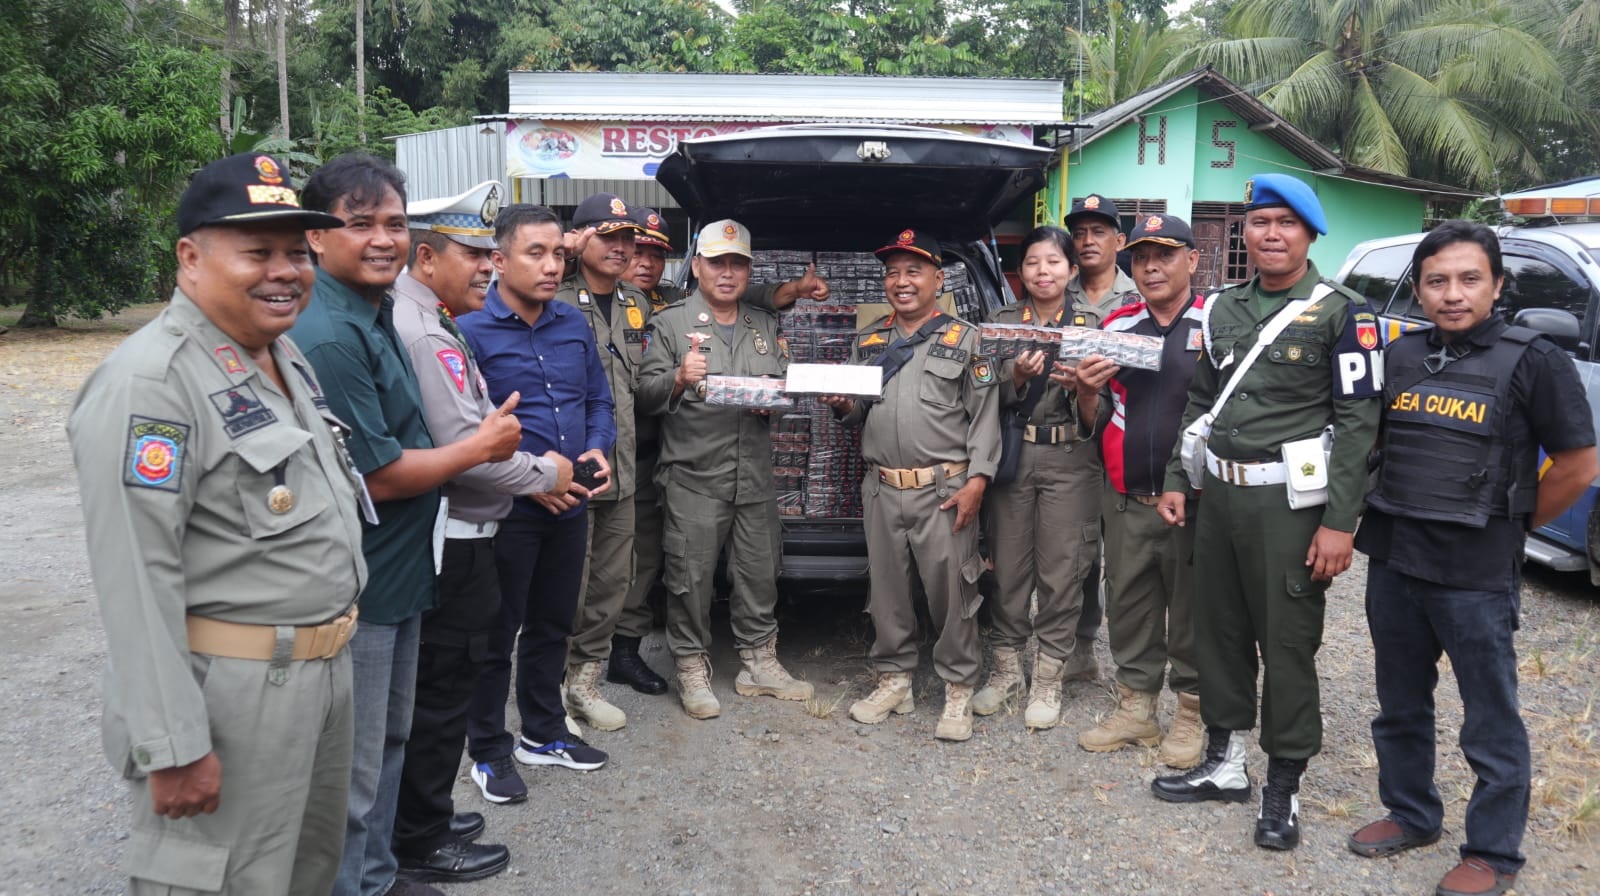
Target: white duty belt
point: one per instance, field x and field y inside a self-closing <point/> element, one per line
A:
<point x="1238" y="472"/>
<point x="454" y="528"/>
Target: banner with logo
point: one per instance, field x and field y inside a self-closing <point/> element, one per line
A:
<point x="631" y="150"/>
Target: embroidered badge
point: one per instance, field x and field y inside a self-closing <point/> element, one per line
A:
<point x="229" y="358"/>
<point x="1079" y="320"/>
<point x="455" y="364"/>
<point x="783" y="347"/>
<point x="1294" y="353"/>
<point x="1153" y="223"/>
<point x="267" y="169"/>
<point x="154" y="455"/>
<point x="242" y="411"/>
<point x="952" y="335"/>
<point x="1197" y="340"/>
<point x="873" y="339"/>
<point x="982" y="370"/>
<point x="1092" y="202"/>
<point x="906" y="238"/>
<point x="1366" y="329"/>
<point x="635" y="317"/>
<point x="618" y="208"/>
<point x="730" y="231"/>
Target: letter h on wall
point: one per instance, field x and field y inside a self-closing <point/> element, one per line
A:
<point x="1159" y="138"/>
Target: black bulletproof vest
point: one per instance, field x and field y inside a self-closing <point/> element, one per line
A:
<point x="1448" y="449"/>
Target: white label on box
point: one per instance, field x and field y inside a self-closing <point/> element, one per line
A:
<point x="856" y="380"/>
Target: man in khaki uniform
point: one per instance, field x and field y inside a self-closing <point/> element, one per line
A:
<point x="716" y="473"/>
<point x="616" y="313"/>
<point x="202" y="438"/>
<point x="931" y="444"/>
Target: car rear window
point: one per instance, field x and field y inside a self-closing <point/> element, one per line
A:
<point x="1378" y="273"/>
<point x="1534" y="283"/>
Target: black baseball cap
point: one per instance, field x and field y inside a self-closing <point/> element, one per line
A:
<point x="248" y="188"/>
<point x="914" y="241"/>
<point x="1167" y="230"/>
<point x="1095" y="204"/>
<point x="606" y="213"/>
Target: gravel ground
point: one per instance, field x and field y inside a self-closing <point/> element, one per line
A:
<point x="775" y="797"/>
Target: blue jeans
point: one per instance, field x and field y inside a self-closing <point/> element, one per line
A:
<point x="385" y="683"/>
<point x="1412" y="621"/>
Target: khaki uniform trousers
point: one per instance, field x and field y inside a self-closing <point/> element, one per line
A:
<point x="608" y="577"/>
<point x="636" y="618"/>
<point x="1044" y="532"/>
<point x="1150" y="595"/>
<point x="285" y="753"/>
<point x="909" y="538"/>
<point x="694" y="529"/>
<point x="1254" y="597"/>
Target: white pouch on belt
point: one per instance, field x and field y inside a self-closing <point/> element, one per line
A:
<point x="1306" y="463"/>
<point x="1193" y="449"/>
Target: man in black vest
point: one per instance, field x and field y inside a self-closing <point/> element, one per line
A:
<point x="1469" y="403"/>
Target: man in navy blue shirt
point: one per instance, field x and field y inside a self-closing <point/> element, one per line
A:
<point x="526" y="343"/>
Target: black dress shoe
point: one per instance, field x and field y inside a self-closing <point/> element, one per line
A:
<point x="456" y="861"/>
<point x="466" y="825"/>
<point x="629" y="668"/>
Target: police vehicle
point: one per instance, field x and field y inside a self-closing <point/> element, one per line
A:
<point x="1553" y="285"/>
<point x="828" y="195"/>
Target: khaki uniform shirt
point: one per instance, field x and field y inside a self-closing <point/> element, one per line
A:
<point x="621" y="342"/>
<point x="1123" y="291"/>
<point x="717" y="451"/>
<point x="455" y="400"/>
<point x="1325" y="367"/>
<point x="178" y="438"/>
<point x="942" y="407"/>
<point x="1056" y="407"/>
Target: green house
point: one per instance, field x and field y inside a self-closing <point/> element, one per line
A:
<point x="1187" y="147"/>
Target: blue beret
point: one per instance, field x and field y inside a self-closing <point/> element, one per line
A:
<point x="1273" y="190"/>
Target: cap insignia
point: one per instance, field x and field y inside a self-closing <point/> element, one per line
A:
<point x="491" y="206"/>
<point x="1153" y="223"/>
<point x="617" y="208"/>
<point x="730" y="231"/>
<point x="1249" y="189"/>
<point x="1092" y="202"/>
<point x="268" y="170"/>
<point x="906" y="237"/>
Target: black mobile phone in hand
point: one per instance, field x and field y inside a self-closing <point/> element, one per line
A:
<point x="587" y="474"/>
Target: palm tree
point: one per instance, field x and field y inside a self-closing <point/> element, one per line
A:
<point x="1452" y="91"/>
<point x="1131" y="56"/>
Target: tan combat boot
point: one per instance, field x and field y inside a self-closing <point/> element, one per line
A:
<point x="764" y="676"/>
<point x="581" y="694"/>
<point x="1134" y="722"/>
<point x="1186" y="736"/>
<point x="1081" y="664"/>
<point x="955" y="723"/>
<point x="1005" y="682"/>
<point x="1044" y="697"/>
<point x="694" y="687"/>
<point x="893" y="694"/>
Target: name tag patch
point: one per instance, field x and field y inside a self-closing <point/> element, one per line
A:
<point x="959" y="355"/>
<point x="1455" y="409"/>
<point x="242" y="411"/>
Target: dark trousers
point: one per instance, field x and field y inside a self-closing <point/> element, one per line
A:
<point x="541" y="574"/>
<point x="1412" y="621"/>
<point x="455" y="642"/>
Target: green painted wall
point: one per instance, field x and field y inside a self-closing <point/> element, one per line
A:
<point x="1199" y="131"/>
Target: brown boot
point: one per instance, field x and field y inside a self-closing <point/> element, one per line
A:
<point x="955" y="723"/>
<point x="583" y="700"/>
<point x="1005" y="682"/>
<point x="1133" y="723"/>
<point x="893" y="694"/>
<point x="694" y="687"/>
<point x="1044" y="697"/>
<point x="1186" y="736"/>
<point x="764" y="676"/>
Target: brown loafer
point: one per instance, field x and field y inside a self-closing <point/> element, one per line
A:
<point x="1474" y="877"/>
<point x="1385" y="838"/>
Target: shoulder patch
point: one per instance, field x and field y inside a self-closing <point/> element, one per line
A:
<point x="1366" y="328"/>
<point x="241" y="409"/>
<point x="455" y="364"/>
<point x="154" y="454"/>
<point x="876" y="338"/>
<point x="982" y="370"/>
<point x="635" y="318"/>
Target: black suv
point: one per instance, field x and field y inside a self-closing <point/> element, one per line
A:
<point x="829" y="195"/>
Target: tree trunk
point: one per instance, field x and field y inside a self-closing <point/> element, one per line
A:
<point x="40" y="311"/>
<point x="283" y="67"/>
<point x="230" y="37"/>
<point x="361" y="71"/>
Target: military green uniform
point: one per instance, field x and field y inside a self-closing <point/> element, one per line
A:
<point x="180" y="441"/>
<point x="1254" y="591"/>
<point x="938" y="414"/>
<point x="619" y="330"/>
<point x="636" y="617"/>
<point x="1044" y="526"/>
<point x="1123" y="291"/>
<point x="715" y="475"/>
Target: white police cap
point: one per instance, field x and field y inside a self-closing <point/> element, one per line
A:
<point x="468" y="218"/>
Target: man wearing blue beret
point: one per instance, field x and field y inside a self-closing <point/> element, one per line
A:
<point x="1288" y="388"/>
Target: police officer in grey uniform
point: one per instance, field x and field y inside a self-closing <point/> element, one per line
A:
<point x="448" y="275"/>
<point x="716" y="473"/>
<point x="616" y="313"/>
<point x="203" y="439"/>
<point x="931" y="444"/>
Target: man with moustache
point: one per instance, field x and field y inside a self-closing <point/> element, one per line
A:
<point x="526" y="342"/>
<point x="448" y="276"/>
<point x="716" y="473"/>
<point x="1262" y="567"/>
<point x="203" y="437"/>
<point x="931" y="444"/>
<point x="1149" y="575"/>
<point x="348" y="333"/>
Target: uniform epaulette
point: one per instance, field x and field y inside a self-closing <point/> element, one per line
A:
<point x="1355" y="298"/>
<point x="153" y="360"/>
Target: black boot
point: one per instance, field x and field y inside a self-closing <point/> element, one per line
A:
<point x="629" y="668"/>
<point x="1221" y="776"/>
<point x="1278" y="822"/>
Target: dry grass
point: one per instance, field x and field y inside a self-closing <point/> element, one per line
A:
<point x="819" y="707"/>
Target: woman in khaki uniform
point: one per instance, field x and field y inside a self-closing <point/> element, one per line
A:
<point x="1044" y="526"/>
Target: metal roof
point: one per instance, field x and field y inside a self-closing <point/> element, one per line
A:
<point x="1578" y="188"/>
<point x="688" y="96"/>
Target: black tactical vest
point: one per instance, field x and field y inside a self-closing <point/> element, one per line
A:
<point x="1448" y="449"/>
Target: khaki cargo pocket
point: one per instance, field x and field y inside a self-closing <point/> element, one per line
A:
<point x="162" y="857"/>
<point x="971" y="597"/>
<point x="265" y="454"/>
<point x="1301" y="620"/>
<point x="675" y="562"/>
<point x="941" y="386"/>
